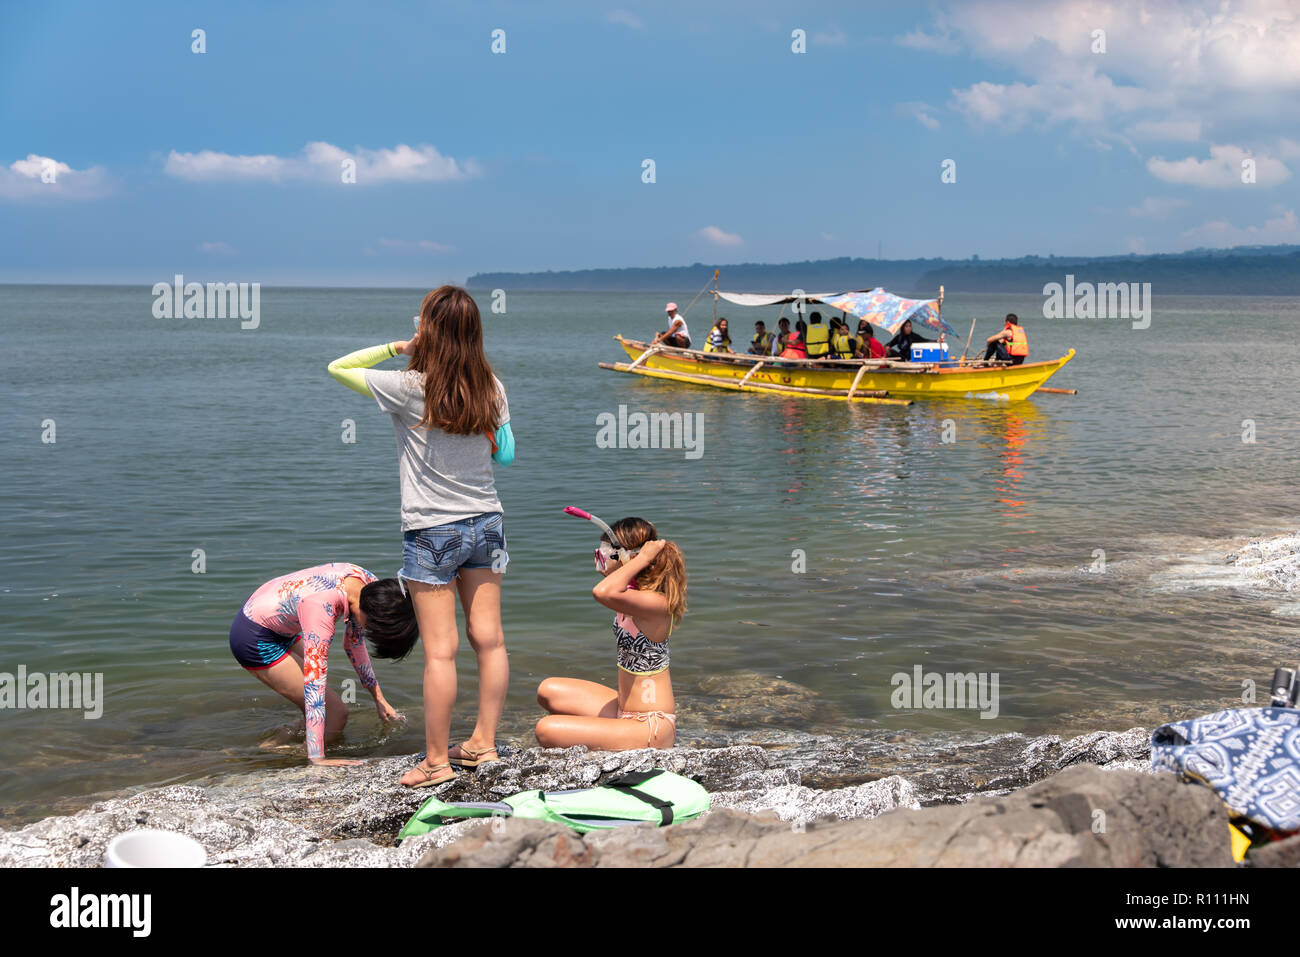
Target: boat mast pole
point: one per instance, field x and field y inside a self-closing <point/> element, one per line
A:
<point x="939" y="310"/>
<point x="715" y="297"/>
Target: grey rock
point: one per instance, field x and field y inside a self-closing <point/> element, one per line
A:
<point x="1149" y="821"/>
<point x="316" y="817"/>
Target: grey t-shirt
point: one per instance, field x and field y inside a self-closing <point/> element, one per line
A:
<point x="444" y="477"/>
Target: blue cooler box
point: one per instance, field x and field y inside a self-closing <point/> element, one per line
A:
<point x="930" y="352"/>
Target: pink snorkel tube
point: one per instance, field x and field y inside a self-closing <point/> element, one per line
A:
<point x="623" y="554"/>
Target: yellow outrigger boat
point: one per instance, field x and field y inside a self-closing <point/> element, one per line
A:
<point x="886" y="381"/>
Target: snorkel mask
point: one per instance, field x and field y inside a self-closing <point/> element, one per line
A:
<point x="623" y="553"/>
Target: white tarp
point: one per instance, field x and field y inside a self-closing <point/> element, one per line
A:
<point x="759" y="299"/>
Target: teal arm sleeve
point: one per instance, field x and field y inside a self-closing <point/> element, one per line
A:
<point x="350" y="369"/>
<point x="505" y="453"/>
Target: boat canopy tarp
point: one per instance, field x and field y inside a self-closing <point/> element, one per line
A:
<point x="878" y="307"/>
<point x="888" y="311"/>
<point x="759" y="299"/>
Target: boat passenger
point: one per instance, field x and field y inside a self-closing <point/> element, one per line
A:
<point x="794" y="343"/>
<point x="719" y="340"/>
<point x="818" y="337"/>
<point x="761" y="343"/>
<point x="869" y="347"/>
<point x="676" y="334"/>
<point x="841" y="341"/>
<point x="1009" y="345"/>
<point x="782" y="336"/>
<point x="900" y="347"/>
<point x="644" y="582"/>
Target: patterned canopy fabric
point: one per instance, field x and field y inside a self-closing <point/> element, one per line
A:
<point x="888" y="311"/>
<point x="1249" y="756"/>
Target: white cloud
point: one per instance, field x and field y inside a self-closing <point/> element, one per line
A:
<point x="1221" y="171"/>
<point x="1182" y="131"/>
<point x="1282" y="228"/>
<point x="43" y="177"/>
<point x="322" y="162"/>
<point x="930" y="42"/>
<point x="1157" y="207"/>
<point x="832" y="38"/>
<point x="1231" y="62"/>
<point x="1088" y="99"/>
<point x="423" y="245"/>
<point x="624" y="18"/>
<point x="923" y="113"/>
<point x="715" y="235"/>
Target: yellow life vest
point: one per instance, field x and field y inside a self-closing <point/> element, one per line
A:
<point x="762" y="342"/>
<point x="817" y="340"/>
<point x="842" y="346"/>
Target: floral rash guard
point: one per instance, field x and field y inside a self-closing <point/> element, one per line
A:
<point x="310" y="602"/>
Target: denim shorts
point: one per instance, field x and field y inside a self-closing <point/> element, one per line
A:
<point x="436" y="555"/>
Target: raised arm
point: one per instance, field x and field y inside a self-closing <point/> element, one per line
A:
<point x="350" y="369"/>
<point x="612" y="591"/>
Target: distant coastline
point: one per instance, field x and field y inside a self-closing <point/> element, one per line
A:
<point x="1256" y="271"/>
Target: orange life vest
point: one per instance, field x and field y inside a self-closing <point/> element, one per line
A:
<point x="794" y="348"/>
<point x="1019" y="344"/>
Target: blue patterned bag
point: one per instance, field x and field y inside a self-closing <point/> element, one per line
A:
<point x="1249" y="756"/>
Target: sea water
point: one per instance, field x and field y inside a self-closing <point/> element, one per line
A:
<point x="156" y="471"/>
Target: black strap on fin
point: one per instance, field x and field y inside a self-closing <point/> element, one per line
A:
<point x="627" y="784"/>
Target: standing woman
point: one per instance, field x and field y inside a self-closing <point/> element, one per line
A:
<point x="452" y="422"/>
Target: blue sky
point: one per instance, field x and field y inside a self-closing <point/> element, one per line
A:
<point x="228" y="164"/>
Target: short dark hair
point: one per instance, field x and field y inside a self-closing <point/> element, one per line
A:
<point x="815" y="317"/>
<point x="1011" y="317"/>
<point x="760" y="323"/>
<point x="390" y="619"/>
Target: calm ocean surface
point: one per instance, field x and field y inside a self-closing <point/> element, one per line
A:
<point x="972" y="555"/>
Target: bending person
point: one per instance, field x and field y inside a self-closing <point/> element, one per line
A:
<point x="452" y="422"/>
<point x="284" y="631"/>
<point x="647" y="593"/>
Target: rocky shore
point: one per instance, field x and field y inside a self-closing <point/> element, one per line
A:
<point x="800" y="800"/>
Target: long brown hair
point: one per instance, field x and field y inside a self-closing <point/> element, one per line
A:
<point x="460" y="395"/>
<point x="665" y="575"/>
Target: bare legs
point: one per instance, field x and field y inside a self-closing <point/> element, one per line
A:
<point x="584" y="712"/>
<point x="285" y="679"/>
<point x="435" y="612"/>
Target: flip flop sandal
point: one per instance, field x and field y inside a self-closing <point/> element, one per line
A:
<point x="429" y="775"/>
<point x="472" y="759"/>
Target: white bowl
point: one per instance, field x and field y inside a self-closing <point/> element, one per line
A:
<point x="151" y="848"/>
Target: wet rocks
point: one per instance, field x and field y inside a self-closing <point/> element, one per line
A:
<point x="1082" y="817"/>
<point x="315" y="817"/>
